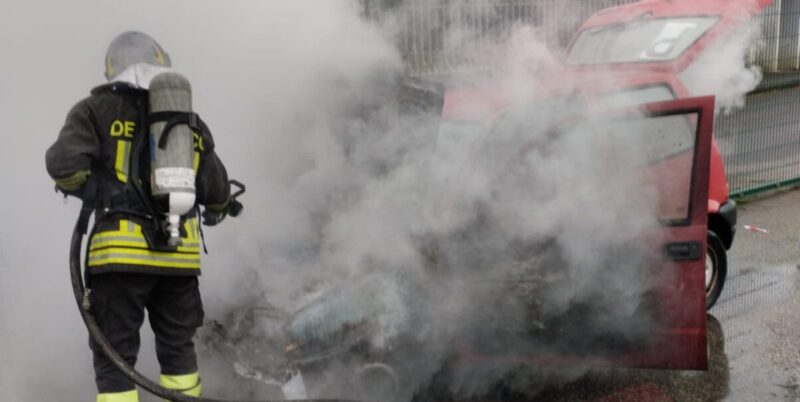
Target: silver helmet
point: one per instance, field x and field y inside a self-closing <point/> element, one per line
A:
<point x="130" y="48"/>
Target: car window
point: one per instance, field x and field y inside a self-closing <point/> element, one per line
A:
<point x="658" y="39"/>
<point x="636" y="96"/>
<point x="667" y="143"/>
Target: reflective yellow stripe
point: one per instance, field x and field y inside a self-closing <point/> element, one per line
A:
<point x="127" y="396"/>
<point x="128" y="246"/>
<point x="117" y="242"/>
<point x="196" y="163"/>
<point x="75" y="181"/>
<point x="187" y="226"/>
<point x="123" y="160"/>
<point x="109" y="67"/>
<point x="188" y="384"/>
<point x="128" y="235"/>
<point x="162" y="255"/>
<point x="189" y="248"/>
<point x="127" y="256"/>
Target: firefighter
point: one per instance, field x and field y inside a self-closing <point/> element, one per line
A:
<point x="102" y="156"/>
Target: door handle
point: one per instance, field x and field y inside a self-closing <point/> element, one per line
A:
<point x="684" y="251"/>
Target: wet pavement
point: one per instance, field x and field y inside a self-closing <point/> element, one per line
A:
<point x="760" y="306"/>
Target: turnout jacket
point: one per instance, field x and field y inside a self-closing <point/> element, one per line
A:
<point x="106" y="139"/>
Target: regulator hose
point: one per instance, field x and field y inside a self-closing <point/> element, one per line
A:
<point x="82" y="298"/>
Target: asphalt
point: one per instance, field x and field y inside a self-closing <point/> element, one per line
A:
<point x="760" y="306"/>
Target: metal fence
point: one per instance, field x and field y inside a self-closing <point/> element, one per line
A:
<point x="779" y="50"/>
<point x="440" y="36"/>
<point x="760" y="143"/>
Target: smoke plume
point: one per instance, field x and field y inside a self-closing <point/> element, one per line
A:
<point x="346" y="189"/>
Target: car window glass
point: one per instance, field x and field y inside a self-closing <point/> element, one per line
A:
<point x="660" y="39"/>
<point x="667" y="143"/>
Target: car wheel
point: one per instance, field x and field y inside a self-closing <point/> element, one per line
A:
<point x="716" y="268"/>
<point x="377" y="382"/>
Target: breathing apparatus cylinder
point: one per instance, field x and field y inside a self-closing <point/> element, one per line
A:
<point x="171" y="161"/>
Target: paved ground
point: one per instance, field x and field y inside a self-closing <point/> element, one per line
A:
<point x="760" y="307"/>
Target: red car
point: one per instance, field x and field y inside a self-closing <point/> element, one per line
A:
<point x="653" y="45"/>
<point x="693" y="209"/>
<point x="641" y="54"/>
<point x="664" y="327"/>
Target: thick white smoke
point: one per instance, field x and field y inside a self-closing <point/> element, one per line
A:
<point x="257" y="68"/>
<point x="338" y="186"/>
<point x="722" y="70"/>
<point x="371" y="198"/>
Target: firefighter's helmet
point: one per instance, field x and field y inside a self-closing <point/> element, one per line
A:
<point x="131" y="48"/>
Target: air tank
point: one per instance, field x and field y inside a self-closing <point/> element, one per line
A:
<point x="172" y="172"/>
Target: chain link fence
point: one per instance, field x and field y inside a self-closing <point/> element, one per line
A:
<point x="440" y="36"/>
<point x="760" y="143"/>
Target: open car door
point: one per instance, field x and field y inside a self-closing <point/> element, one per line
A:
<point x="676" y="145"/>
<point x="680" y="131"/>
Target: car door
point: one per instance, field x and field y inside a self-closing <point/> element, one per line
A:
<point x="679" y="133"/>
<point x="673" y="333"/>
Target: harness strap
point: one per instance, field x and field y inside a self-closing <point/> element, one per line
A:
<point x="173" y="119"/>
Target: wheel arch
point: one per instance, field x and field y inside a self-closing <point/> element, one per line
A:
<point x="718" y="225"/>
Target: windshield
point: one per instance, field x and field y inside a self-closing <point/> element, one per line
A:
<point x="640" y="41"/>
<point x="666" y="144"/>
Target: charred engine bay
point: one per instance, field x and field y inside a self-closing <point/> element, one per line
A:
<point x="394" y="317"/>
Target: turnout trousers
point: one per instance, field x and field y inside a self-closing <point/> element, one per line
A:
<point x="175" y="311"/>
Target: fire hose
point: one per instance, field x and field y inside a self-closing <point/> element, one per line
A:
<point x="84" y="306"/>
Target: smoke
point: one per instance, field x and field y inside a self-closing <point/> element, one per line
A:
<point x="409" y="227"/>
<point x="723" y="71"/>
<point x="258" y="70"/>
<point x="342" y="190"/>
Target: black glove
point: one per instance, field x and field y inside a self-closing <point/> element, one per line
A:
<point x="211" y="218"/>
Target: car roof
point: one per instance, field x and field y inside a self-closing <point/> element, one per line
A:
<point x="731" y="13"/>
<point x="673" y="8"/>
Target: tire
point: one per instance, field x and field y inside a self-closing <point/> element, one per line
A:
<point x="716" y="268"/>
